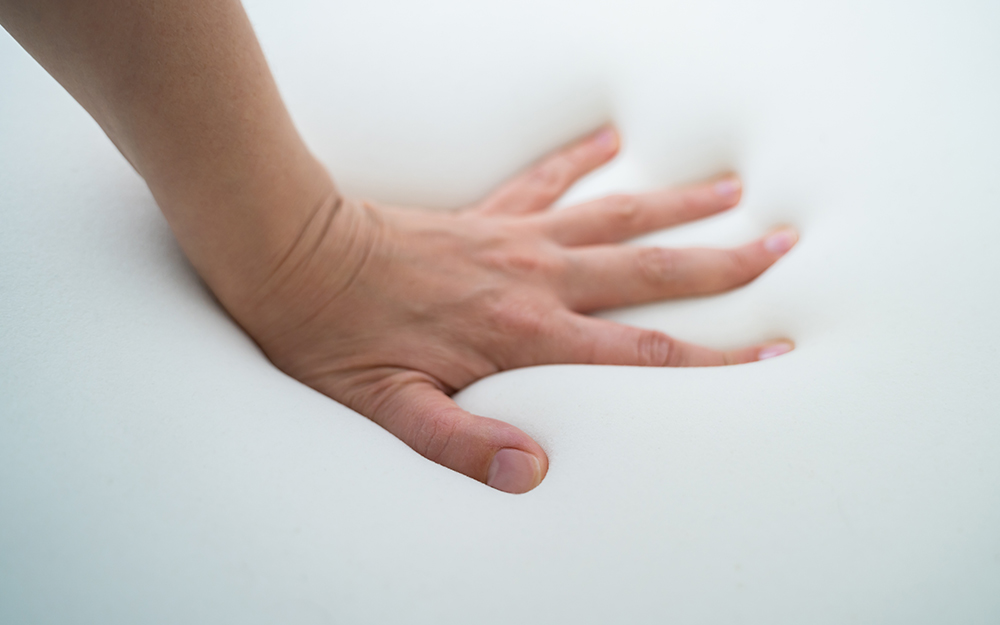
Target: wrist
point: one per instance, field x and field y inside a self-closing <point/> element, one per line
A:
<point x="236" y="230"/>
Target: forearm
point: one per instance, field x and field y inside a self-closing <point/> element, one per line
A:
<point x="183" y="90"/>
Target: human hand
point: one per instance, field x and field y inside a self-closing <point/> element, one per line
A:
<point x="390" y="311"/>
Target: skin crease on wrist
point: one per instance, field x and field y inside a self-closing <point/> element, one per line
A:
<point x="387" y="310"/>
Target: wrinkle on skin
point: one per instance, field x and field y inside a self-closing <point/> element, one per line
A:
<point x="323" y="210"/>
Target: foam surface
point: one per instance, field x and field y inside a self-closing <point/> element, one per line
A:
<point x="154" y="467"/>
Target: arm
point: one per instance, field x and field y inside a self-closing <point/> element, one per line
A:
<point x="182" y="89"/>
<point x="389" y="311"/>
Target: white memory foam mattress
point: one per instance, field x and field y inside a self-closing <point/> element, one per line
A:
<point x="155" y="468"/>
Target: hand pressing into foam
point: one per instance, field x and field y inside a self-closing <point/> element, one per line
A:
<point x="390" y="311"/>
<point x="386" y="310"/>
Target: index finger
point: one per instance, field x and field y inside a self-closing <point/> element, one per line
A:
<point x="540" y="185"/>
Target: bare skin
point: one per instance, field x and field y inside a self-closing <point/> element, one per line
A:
<point x="387" y="310"/>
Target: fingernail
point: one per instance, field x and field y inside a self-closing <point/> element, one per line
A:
<point x="774" y="350"/>
<point x="513" y="471"/>
<point x="607" y="139"/>
<point x="781" y="241"/>
<point x="728" y="187"/>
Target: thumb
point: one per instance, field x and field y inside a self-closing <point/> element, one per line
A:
<point x="491" y="451"/>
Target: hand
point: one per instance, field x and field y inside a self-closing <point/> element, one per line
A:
<point x="389" y="311"/>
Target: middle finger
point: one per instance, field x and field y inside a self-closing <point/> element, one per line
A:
<point x="610" y="276"/>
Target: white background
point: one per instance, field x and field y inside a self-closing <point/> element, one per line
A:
<point x="155" y="468"/>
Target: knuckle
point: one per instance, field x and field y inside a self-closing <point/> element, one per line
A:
<point x="654" y="349"/>
<point x="551" y="178"/>
<point x="623" y="211"/>
<point x="522" y="262"/>
<point x="656" y="266"/>
<point x="689" y="202"/>
<point x="514" y="318"/>
<point x="433" y="435"/>
<point x="525" y="261"/>
<point x="740" y="268"/>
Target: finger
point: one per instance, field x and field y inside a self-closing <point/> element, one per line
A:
<point x="610" y="276"/>
<point x="544" y="182"/>
<point x="620" y="217"/>
<point x="588" y="340"/>
<point x="419" y="413"/>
